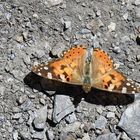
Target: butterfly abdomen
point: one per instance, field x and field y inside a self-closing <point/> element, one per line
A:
<point x="87" y="71"/>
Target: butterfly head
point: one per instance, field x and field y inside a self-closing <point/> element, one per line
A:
<point x="86" y="88"/>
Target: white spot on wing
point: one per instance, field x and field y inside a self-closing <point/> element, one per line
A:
<point x="49" y="75"/>
<point x="111" y="87"/>
<point x="63" y="78"/>
<point x="128" y="84"/>
<point x="124" y="90"/>
<point x="45" y="68"/>
<point x="39" y="74"/>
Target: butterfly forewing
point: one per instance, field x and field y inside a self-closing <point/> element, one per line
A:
<point x="101" y="63"/>
<point x="67" y="69"/>
<point x="109" y="79"/>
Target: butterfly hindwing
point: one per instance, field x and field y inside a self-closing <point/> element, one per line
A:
<point x="108" y="78"/>
<point x="115" y="81"/>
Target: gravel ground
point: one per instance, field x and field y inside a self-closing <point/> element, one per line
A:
<point x="39" y="30"/>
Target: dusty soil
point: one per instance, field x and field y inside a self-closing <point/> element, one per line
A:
<point x="39" y="30"/>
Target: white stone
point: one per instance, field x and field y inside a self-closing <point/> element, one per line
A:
<point x="50" y="3"/>
<point x="112" y="26"/>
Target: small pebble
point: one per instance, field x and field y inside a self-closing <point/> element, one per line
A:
<point x="86" y="137"/>
<point x="100" y="123"/>
<point x="124" y="136"/>
<point x="125" y="16"/>
<point x="116" y="49"/>
<point x="42" y="101"/>
<point x="22" y="99"/>
<point x="19" y="39"/>
<point x="110" y="115"/>
<point x="50" y="135"/>
<point x="137" y="2"/>
<point x="67" y="24"/>
<point x="15" y="135"/>
<point x="16" y="116"/>
<point x="138" y="57"/>
<point x="39" y="124"/>
<point x="112" y="26"/>
<point x="137" y="10"/>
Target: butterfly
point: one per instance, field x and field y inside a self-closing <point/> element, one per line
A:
<point x="89" y="67"/>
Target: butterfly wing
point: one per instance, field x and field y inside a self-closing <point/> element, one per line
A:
<point x="68" y="69"/>
<point x="106" y="77"/>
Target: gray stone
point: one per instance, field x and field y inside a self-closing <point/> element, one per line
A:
<point x="137" y="2"/>
<point x="31" y="117"/>
<point x="2" y="89"/>
<point x="71" y="118"/>
<point x="98" y="132"/>
<point x="100" y="123"/>
<point x="35" y="15"/>
<point x="27" y="105"/>
<point x="71" y="127"/>
<point x="16" y="116"/>
<point x="50" y="135"/>
<point x="137" y="10"/>
<point x="50" y="3"/>
<point x="62" y="107"/>
<point x="100" y="23"/>
<point x="19" y="39"/>
<point x="66" y="136"/>
<point x="25" y="35"/>
<point x="116" y="49"/>
<point x="40" y="53"/>
<point x="98" y="13"/>
<point x="15" y="135"/>
<point x="58" y="49"/>
<point x="67" y="24"/>
<point x="40" y="119"/>
<point x="25" y="134"/>
<point x="86" y="136"/>
<point x="112" y="26"/>
<point x="51" y="92"/>
<point x="39" y="124"/>
<point x="26" y="59"/>
<point x="15" y="109"/>
<point x="99" y="109"/>
<point x="50" y="112"/>
<point x="130" y="120"/>
<point x="39" y="136"/>
<point x="110" y="136"/>
<point x="85" y="31"/>
<point x="138" y="57"/>
<point x="111" y="108"/>
<point x="2" y="119"/>
<point x="110" y="115"/>
<point x="42" y="101"/>
<point x="22" y="99"/>
<point x="124" y="136"/>
<point x="12" y="56"/>
<point x="125" y="16"/>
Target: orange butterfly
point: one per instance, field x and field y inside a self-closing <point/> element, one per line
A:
<point x="87" y="67"/>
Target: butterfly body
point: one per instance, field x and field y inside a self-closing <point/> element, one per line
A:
<point x="89" y="67"/>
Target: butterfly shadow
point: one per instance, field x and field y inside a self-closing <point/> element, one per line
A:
<point x="95" y="96"/>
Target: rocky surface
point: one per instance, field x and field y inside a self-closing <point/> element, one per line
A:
<point x="40" y="30"/>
